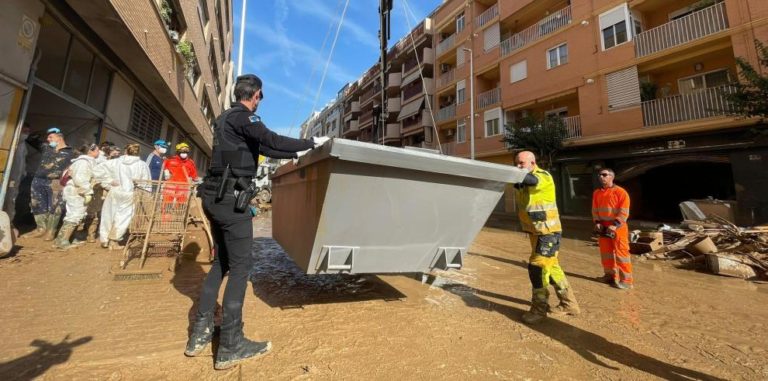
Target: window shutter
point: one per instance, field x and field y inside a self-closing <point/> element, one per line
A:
<point x="519" y="71"/>
<point x="460" y="55"/>
<point x="491" y="37"/>
<point x="623" y="88"/>
<point x="614" y="16"/>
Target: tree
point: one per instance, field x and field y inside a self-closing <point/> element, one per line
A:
<point x="751" y="96"/>
<point x="543" y="136"/>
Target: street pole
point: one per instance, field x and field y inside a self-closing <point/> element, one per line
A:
<point x="471" y="104"/>
<point x="240" y="48"/>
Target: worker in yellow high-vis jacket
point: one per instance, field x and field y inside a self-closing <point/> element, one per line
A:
<point x="537" y="209"/>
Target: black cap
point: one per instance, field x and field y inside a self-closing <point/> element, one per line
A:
<point x="253" y="80"/>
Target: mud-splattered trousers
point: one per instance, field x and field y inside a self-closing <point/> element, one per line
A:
<point x="46" y="196"/>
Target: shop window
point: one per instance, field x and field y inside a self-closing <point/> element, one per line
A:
<point x="53" y="43"/>
<point x="100" y="79"/>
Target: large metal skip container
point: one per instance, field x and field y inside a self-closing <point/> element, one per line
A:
<point x="357" y="207"/>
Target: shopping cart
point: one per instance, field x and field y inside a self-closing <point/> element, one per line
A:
<point x="161" y="215"/>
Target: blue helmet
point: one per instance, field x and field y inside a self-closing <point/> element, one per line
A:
<point x="161" y="143"/>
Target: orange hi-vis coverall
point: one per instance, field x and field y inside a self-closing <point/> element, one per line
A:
<point x="610" y="206"/>
<point x="181" y="171"/>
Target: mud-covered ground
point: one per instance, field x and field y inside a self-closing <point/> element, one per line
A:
<point x="65" y="317"/>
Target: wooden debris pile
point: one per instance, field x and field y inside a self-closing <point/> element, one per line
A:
<point x="714" y="243"/>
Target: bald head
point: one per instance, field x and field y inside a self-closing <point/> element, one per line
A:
<point x="525" y="160"/>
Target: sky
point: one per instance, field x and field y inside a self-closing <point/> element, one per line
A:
<point x="287" y="44"/>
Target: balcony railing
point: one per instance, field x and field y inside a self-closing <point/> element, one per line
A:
<point x="446" y="78"/>
<point x="489" y="98"/>
<point x="448" y="148"/>
<point x="446" y="44"/>
<point x="488" y="15"/>
<point x="351" y="126"/>
<point x="412" y="91"/>
<point x="698" y="24"/>
<point x="536" y="31"/>
<point x="699" y="104"/>
<point x="446" y="113"/>
<point x="573" y="126"/>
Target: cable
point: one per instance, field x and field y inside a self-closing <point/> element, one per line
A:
<point x="421" y="74"/>
<point x="330" y="55"/>
<point x="311" y="75"/>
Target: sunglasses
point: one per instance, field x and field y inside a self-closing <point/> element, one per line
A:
<point x="605" y="174"/>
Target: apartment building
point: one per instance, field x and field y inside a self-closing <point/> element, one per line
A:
<point x="409" y="90"/>
<point x="123" y="71"/>
<point x="328" y="121"/>
<point x="639" y="85"/>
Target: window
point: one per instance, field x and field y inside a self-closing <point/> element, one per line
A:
<point x="559" y="112"/>
<point x="614" y="26"/>
<point x="461" y="131"/>
<point x="492" y="122"/>
<point x="518" y="71"/>
<point x="459" y="22"/>
<point x="460" y="91"/>
<point x="704" y="81"/>
<point x="214" y="69"/>
<point x="146" y="122"/>
<point x="202" y="13"/>
<point x="460" y="59"/>
<point x="614" y="35"/>
<point x="557" y="56"/>
<point x="53" y="42"/>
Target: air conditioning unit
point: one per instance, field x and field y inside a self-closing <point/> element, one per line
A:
<point x="449" y="133"/>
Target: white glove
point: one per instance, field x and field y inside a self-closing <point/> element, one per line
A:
<point x="166" y="174"/>
<point x="300" y="154"/>
<point x="320" y="140"/>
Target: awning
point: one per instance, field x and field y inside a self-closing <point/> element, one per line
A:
<point x="411" y="109"/>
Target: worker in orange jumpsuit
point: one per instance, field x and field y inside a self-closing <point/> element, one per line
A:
<point x="178" y="169"/>
<point x="610" y="211"/>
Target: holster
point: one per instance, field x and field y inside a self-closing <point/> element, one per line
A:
<point x="246" y="192"/>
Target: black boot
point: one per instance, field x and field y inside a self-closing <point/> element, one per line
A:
<point x="202" y="332"/>
<point x="234" y="347"/>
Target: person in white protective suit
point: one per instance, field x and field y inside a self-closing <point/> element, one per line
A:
<point x="77" y="193"/>
<point x="117" y="211"/>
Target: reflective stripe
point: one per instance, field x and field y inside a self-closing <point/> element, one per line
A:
<point x="541" y="207"/>
<point x="623" y="259"/>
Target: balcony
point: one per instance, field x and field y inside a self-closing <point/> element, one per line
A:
<point x="705" y="103"/>
<point x="392" y="131"/>
<point x="446" y="78"/>
<point x="489" y="98"/>
<point x="446" y="113"/>
<point x="448" y="148"/>
<point x="426" y="58"/>
<point x="393" y="82"/>
<point x="537" y="31"/>
<point x="351" y="128"/>
<point x="573" y="126"/>
<point x="446" y="44"/>
<point x="394" y="105"/>
<point x="424" y="120"/>
<point x="698" y="24"/>
<point x="352" y="107"/>
<point x="487" y="16"/>
<point x="413" y="91"/>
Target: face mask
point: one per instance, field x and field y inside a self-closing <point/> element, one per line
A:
<point x="183" y="155"/>
<point x="162" y="150"/>
<point x="53" y="144"/>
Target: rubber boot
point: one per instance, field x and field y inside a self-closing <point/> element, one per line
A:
<point x="568" y="304"/>
<point x="53" y="222"/>
<point x="62" y="239"/>
<point x="41" y="220"/>
<point x="539" y="306"/>
<point x="202" y="332"/>
<point x="234" y="347"/>
<point x="90" y="226"/>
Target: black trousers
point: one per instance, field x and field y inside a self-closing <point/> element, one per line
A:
<point x="233" y="236"/>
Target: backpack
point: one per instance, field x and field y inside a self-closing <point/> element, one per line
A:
<point x="64" y="177"/>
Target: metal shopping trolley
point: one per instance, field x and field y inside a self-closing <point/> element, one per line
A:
<point x="161" y="216"/>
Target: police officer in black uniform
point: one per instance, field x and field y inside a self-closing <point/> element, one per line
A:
<point x="238" y="137"/>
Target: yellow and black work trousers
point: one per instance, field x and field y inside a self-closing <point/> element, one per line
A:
<point x="543" y="266"/>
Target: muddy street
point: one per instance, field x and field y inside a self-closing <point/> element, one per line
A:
<point x="65" y="317"/>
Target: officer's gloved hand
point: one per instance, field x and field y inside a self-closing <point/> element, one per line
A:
<point x="299" y="155"/>
<point x="320" y="140"/>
